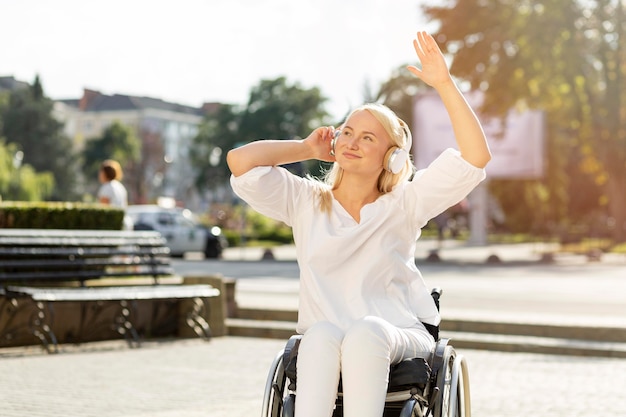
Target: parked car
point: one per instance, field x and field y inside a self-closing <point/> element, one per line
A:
<point x="180" y="228"/>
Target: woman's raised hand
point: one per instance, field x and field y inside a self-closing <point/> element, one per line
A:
<point x="320" y="143"/>
<point x="434" y="71"/>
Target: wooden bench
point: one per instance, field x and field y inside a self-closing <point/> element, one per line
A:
<point x="95" y="270"/>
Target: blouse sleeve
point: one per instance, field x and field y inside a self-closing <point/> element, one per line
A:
<point x="106" y="191"/>
<point x="445" y="182"/>
<point x="272" y="191"/>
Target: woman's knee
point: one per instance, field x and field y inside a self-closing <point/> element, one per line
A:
<point x="321" y="335"/>
<point x="368" y="333"/>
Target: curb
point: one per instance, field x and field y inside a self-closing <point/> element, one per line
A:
<point x="468" y="334"/>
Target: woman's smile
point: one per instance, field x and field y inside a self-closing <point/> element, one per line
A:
<point x="350" y="155"/>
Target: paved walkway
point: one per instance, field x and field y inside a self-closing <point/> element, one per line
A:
<point x="226" y="376"/>
<point x="449" y="251"/>
<point x="520" y="287"/>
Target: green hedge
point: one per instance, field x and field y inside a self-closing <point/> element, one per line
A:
<point x="62" y="215"/>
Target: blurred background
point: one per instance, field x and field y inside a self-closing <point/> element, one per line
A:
<point x="167" y="89"/>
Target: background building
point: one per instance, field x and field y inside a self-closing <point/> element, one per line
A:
<point x="166" y="131"/>
<point x="9" y="83"/>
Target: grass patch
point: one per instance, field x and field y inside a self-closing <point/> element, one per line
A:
<point x="261" y="244"/>
<point x="619" y="248"/>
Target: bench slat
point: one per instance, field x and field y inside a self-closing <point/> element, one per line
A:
<point x="87" y="241"/>
<point x="84" y="252"/>
<point x="137" y="292"/>
<point x="81" y="263"/>
<point x="84" y="275"/>
<point x="94" y="241"/>
<point x="79" y="255"/>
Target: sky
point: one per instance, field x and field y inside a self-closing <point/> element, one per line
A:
<point x="196" y="51"/>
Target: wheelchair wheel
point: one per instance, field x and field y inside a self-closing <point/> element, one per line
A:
<point x="453" y="385"/>
<point x="274" y="389"/>
<point x="461" y="395"/>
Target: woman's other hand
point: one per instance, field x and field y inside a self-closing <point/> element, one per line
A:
<point x="434" y="71"/>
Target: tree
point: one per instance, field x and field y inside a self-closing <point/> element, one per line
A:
<point x="20" y="182"/>
<point x="117" y="142"/>
<point x="145" y="176"/>
<point x="27" y="121"/>
<point x="218" y="133"/>
<point x="275" y="109"/>
<point x="397" y="93"/>
<point x="568" y="59"/>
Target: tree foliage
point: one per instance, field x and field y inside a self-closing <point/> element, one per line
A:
<point x="27" y="121"/>
<point x="279" y="110"/>
<point x="275" y="109"/>
<point x="398" y="91"/>
<point x="564" y="57"/>
<point x="19" y="181"/>
<point x="144" y="176"/>
<point x="217" y="134"/>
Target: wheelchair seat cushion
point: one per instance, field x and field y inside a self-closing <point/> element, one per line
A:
<point x="409" y="373"/>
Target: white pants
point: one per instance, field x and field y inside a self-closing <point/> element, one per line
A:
<point x="363" y="355"/>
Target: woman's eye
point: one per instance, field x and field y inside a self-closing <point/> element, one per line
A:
<point x="368" y="138"/>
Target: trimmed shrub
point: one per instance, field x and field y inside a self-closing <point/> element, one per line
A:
<point x="59" y="215"/>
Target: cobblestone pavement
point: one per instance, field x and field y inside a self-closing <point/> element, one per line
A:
<point x="226" y="378"/>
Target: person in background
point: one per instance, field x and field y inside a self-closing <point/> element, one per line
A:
<point x="112" y="192"/>
<point x="363" y="303"/>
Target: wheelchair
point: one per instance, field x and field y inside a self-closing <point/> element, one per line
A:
<point x="437" y="386"/>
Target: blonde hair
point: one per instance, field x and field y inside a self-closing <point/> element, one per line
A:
<point x="400" y="136"/>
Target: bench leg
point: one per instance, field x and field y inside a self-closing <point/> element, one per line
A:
<point x="178" y="316"/>
<point x="40" y="323"/>
<point x="195" y="318"/>
<point x="123" y="324"/>
<point x="11" y="309"/>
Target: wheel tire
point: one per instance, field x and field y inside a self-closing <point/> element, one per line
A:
<point x="211" y="250"/>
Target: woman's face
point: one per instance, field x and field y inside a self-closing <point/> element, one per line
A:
<point x="362" y="144"/>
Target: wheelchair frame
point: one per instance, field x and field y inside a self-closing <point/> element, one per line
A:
<point x="446" y="394"/>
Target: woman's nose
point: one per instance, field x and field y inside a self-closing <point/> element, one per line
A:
<point x="352" y="142"/>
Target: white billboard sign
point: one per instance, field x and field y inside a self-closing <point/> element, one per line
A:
<point x="516" y="143"/>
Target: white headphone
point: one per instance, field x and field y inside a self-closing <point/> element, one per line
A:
<point x="395" y="158"/>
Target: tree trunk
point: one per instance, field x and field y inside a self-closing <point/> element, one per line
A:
<point x="616" y="188"/>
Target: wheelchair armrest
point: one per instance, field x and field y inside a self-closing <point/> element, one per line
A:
<point x="433" y="330"/>
<point x="437" y="356"/>
<point x="436" y="294"/>
<point x="290" y="355"/>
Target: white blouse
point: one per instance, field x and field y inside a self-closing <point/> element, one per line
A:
<point x="350" y="270"/>
<point x="115" y="192"/>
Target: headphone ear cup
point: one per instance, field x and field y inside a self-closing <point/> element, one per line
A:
<point x="395" y="159"/>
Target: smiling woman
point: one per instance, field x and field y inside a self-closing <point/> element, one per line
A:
<point x="378" y="142"/>
<point x="363" y="303"/>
